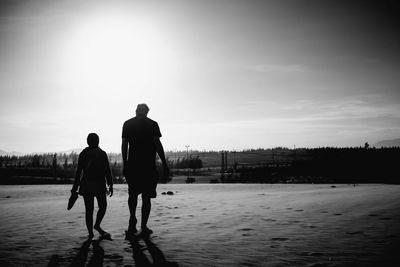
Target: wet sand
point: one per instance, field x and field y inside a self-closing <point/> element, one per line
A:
<point x="209" y="225"/>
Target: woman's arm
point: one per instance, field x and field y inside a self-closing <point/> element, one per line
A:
<point x="78" y="174"/>
<point x="108" y="174"/>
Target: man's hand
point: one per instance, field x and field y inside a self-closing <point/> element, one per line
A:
<point x="124" y="169"/>
<point x="111" y="191"/>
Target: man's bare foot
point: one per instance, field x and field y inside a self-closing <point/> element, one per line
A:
<point x="132" y="230"/>
<point x="146" y="230"/>
<point x="90" y="235"/>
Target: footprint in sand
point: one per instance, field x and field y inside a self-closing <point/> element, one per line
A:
<point x="246" y="229"/>
<point x="269" y="220"/>
<point x="299" y="210"/>
<point x="355" y="233"/>
<point x="309" y="226"/>
<point x="373" y="215"/>
<point x="279" y="239"/>
<point x="309" y="253"/>
<point x="385" y="219"/>
<point x="289" y="208"/>
<point x="337" y="214"/>
<point x="114" y="257"/>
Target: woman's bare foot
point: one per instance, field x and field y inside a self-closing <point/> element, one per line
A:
<point x="98" y="229"/>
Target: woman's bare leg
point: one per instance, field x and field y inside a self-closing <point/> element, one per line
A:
<point x="89" y="203"/>
<point x="102" y="203"/>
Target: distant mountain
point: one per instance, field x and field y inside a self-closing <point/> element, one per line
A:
<point x="13" y="153"/>
<point x="388" y="143"/>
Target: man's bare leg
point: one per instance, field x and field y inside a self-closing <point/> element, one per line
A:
<point x="132" y="202"/>
<point x="146" y="207"/>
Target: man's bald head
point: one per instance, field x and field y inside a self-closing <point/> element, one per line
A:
<point x="142" y="110"/>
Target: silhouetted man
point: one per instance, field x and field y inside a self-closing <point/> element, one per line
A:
<point x="140" y="143"/>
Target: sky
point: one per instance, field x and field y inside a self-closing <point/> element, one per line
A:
<point x="217" y="75"/>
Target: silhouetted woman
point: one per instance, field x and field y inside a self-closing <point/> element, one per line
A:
<point x="94" y="168"/>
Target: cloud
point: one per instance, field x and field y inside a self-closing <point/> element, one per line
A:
<point x="344" y="109"/>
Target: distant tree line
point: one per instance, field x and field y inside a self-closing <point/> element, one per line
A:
<point x="305" y="165"/>
<point x="323" y="165"/>
<point x="187" y="163"/>
<point x="60" y="168"/>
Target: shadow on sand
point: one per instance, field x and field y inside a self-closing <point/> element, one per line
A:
<point x="80" y="259"/>
<point x="157" y="256"/>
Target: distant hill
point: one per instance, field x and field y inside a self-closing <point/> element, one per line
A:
<point x="388" y="143"/>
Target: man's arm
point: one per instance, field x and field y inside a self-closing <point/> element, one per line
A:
<point x="124" y="151"/>
<point x="160" y="152"/>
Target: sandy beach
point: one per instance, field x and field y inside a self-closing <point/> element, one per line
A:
<point x="209" y="225"/>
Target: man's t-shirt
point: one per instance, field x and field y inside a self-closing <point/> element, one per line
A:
<point x="141" y="133"/>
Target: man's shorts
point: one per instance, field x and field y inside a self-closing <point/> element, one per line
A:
<point x="144" y="183"/>
<point x="146" y="189"/>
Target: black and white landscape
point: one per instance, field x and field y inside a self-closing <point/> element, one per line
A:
<point x="280" y="120"/>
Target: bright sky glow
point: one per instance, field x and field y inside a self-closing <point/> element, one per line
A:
<point x="216" y="74"/>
